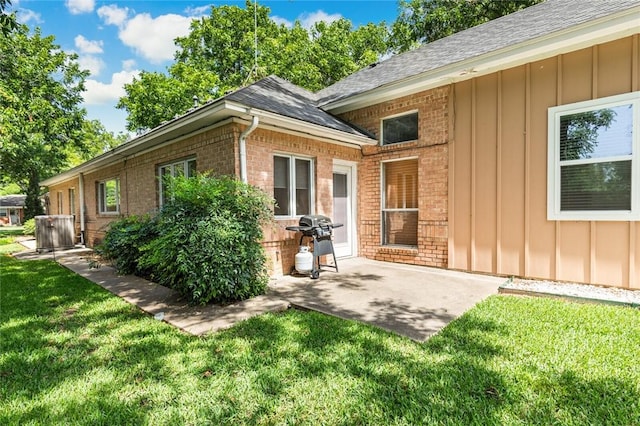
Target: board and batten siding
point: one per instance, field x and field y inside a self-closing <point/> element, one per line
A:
<point x="498" y="172"/>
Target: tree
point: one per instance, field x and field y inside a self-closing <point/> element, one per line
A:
<point x="40" y="93"/>
<point x="219" y="55"/>
<point x="97" y="140"/>
<point x="8" y="22"/>
<point x="154" y="97"/>
<point x="424" y="21"/>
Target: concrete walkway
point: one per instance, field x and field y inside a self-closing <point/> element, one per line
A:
<point x="415" y="302"/>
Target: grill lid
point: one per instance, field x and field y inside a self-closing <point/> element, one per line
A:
<point x="315" y="221"/>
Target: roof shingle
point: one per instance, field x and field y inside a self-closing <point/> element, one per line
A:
<point x="545" y="18"/>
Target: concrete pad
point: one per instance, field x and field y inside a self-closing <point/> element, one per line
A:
<point x="412" y="301"/>
<point x="167" y="305"/>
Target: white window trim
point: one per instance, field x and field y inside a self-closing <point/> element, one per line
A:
<point x="382" y="120"/>
<point x="60" y="202"/>
<point x="553" y="160"/>
<point x="292" y="182"/>
<point x="173" y="165"/>
<point x="383" y="200"/>
<point x="102" y="201"/>
<point x="72" y="200"/>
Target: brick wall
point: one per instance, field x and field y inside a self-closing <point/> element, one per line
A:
<point x="282" y="245"/>
<point x="217" y="150"/>
<point x="432" y="152"/>
<point x="214" y="150"/>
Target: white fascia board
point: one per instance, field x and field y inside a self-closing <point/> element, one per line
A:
<point x="600" y="31"/>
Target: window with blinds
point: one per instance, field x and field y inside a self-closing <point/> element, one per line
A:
<point x="292" y="185"/>
<point x="593" y="164"/>
<point x="400" y="203"/>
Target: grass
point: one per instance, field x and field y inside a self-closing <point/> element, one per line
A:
<point x="74" y="354"/>
<point x="8" y="242"/>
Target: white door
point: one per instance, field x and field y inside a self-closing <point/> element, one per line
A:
<point x="343" y="210"/>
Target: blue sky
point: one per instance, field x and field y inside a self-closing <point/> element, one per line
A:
<point x="115" y="40"/>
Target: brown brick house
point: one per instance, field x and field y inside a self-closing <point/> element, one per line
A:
<point x="510" y="148"/>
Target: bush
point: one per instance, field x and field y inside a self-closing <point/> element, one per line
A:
<point x="29" y="227"/>
<point x="123" y="241"/>
<point x="208" y="246"/>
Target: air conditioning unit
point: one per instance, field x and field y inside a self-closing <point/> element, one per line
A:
<point x="54" y="232"/>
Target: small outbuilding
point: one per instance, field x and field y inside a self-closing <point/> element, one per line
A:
<point x="12" y="209"/>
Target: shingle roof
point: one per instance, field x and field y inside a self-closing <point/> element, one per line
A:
<point x="530" y="23"/>
<point x="12" y="200"/>
<point x="276" y="95"/>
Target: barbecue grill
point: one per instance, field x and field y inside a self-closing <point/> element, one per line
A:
<point x="320" y="230"/>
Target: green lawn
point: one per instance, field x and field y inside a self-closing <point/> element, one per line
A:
<point x="71" y="353"/>
<point x="8" y="235"/>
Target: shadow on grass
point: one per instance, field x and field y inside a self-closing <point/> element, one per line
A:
<point x="74" y="354"/>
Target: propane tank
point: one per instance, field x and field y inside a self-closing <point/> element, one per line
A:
<point x="304" y="260"/>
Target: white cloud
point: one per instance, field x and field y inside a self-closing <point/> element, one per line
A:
<point x="308" y="19"/>
<point x="103" y="93"/>
<point x="282" y="21"/>
<point x="128" y="64"/>
<point x="153" y="38"/>
<point x="198" y="11"/>
<point x="113" y="15"/>
<point x="88" y="46"/>
<point x="92" y="63"/>
<point x="76" y="7"/>
<point x="26" y="15"/>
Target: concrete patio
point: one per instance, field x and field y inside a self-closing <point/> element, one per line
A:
<point x="412" y="301"/>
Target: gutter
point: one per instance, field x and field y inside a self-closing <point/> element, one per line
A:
<point x="82" y="224"/>
<point x="243" y="147"/>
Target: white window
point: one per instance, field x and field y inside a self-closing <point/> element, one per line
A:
<point x="400" y="128"/>
<point x="400" y="202"/>
<point x="292" y="185"/>
<point x="593" y="160"/>
<point x="109" y="196"/>
<point x="72" y="201"/>
<point x="60" y="203"/>
<point x="179" y="168"/>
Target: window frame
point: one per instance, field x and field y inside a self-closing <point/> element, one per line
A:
<point x="292" y="184"/>
<point x="395" y="116"/>
<point x="72" y="201"/>
<point x="383" y="201"/>
<point x="185" y="164"/>
<point x="101" y="187"/>
<point x="60" y="202"/>
<point x="554" y="190"/>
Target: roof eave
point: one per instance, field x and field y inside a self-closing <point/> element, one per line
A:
<point x="599" y="31"/>
<point x="203" y="118"/>
<point x="175" y="129"/>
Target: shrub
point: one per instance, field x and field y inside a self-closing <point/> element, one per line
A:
<point x="123" y="241"/>
<point x="29" y="227"/>
<point x="208" y="240"/>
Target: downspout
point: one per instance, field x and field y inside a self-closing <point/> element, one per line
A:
<point x="243" y="147"/>
<point x="82" y="225"/>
